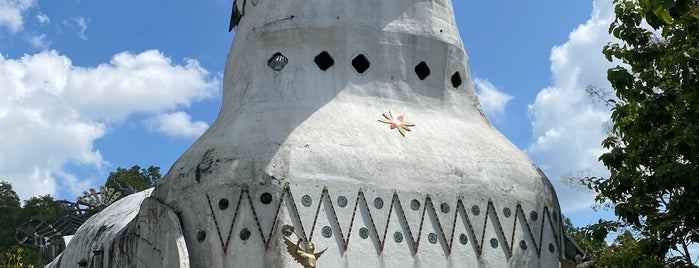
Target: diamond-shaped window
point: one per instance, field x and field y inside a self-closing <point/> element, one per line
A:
<point x="422" y="70"/>
<point x="361" y="63"/>
<point x="324" y="60"/>
<point x="277" y="62"/>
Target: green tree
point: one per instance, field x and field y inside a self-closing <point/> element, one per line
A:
<point x="13" y="258"/>
<point x="32" y="209"/>
<point x="134" y="179"/>
<point x="12" y="216"/>
<point x="626" y="250"/>
<point x="653" y="155"/>
<point x="10" y="211"/>
<point x="20" y="257"/>
<point x="35" y="205"/>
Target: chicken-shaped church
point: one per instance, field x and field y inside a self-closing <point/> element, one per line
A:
<point x="349" y="135"/>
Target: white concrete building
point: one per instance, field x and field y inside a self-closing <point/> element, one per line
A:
<point x="356" y="123"/>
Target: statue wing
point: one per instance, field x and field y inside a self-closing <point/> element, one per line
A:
<point x="236" y="15"/>
<point x="291" y="247"/>
<point x="317" y="254"/>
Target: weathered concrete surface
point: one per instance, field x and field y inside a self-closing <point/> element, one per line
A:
<point x="99" y="232"/>
<point x="137" y="231"/>
<point x="314" y="129"/>
<point x="304" y="147"/>
<point x="153" y="239"/>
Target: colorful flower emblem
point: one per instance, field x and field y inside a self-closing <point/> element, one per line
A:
<point x="396" y="122"/>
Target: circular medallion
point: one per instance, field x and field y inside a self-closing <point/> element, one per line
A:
<point x="342" y="201"/>
<point x="444" y="207"/>
<point x="432" y="237"/>
<point x="266" y="198"/>
<point x="494" y="242"/>
<point x="463" y="238"/>
<point x="286" y="230"/>
<point x="534" y="216"/>
<point x="398" y="237"/>
<point x="523" y="244"/>
<point x="306" y="200"/>
<point x="507" y="212"/>
<point x="551" y="248"/>
<point x="201" y="236"/>
<point x="363" y="233"/>
<point x="475" y="210"/>
<point x="244" y="234"/>
<point x="378" y="203"/>
<point x="223" y="204"/>
<point x="327" y="231"/>
<point x="415" y="204"/>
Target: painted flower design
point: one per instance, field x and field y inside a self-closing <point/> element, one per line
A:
<point x="396" y="122"/>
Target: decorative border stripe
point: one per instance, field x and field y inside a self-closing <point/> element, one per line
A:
<point x="478" y="241"/>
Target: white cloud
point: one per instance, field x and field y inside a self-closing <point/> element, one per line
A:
<point x="51" y="112"/>
<point x="42" y="18"/>
<point x="82" y="27"/>
<point x="39" y="41"/>
<point x="79" y="24"/>
<point x="567" y="127"/>
<point x="492" y="100"/>
<point x="146" y="83"/>
<point x="11" y="13"/>
<point x="177" y="124"/>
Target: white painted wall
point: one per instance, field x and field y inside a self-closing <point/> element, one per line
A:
<point x="312" y="129"/>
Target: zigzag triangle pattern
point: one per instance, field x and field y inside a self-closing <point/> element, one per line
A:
<point x="428" y="210"/>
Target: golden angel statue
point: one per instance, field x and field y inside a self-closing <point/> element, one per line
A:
<point x="308" y="257"/>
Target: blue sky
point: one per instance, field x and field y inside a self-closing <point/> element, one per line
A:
<point x="88" y="86"/>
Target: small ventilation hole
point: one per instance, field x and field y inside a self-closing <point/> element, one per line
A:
<point x="266" y="198"/>
<point x="277" y="61"/>
<point x="324" y="60"/>
<point x="201" y="236"/>
<point x="223" y="204"/>
<point x="456" y="80"/>
<point x="360" y="63"/>
<point x="422" y="70"/>
<point x="244" y="234"/>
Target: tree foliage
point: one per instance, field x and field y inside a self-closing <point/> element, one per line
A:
<point x="11" y="216"/>
<point x="134" y="179"/>
<point x="653" y="154"/>
<point x="10" y="210"/>
<point x="626" y="250"/>
<point x="35" y="205"/>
